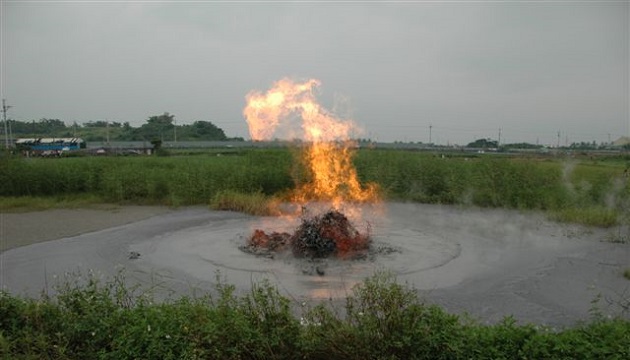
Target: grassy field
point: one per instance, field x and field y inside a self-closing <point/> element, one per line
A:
<point x="176" y="180"/>
<point x="591" y="192"/>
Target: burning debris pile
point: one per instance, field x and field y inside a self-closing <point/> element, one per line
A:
<point x="327" y="149"/>
<point x="326" y="235"/>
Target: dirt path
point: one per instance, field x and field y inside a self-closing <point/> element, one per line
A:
<point x="25" y="228"/>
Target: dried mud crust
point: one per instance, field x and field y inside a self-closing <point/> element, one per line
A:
<point x="26" y="228"/>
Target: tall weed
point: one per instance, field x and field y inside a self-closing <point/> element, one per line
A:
<point x="594" y="193"/>
<point x="90" y="319"/>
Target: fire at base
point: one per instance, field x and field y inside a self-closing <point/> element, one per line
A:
<point x="329" y="234"/>
<point x="327" y="155"/>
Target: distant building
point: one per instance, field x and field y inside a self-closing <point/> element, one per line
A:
<point x="622" y="141"/>
<point x="51" y="144"/>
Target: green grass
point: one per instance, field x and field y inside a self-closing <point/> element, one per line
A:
<point x="487" y="181"/>
<point x="590" y="192"/>
<point x="382" y="320"/>
<point x="590" y="216"/>
<point x="37" y="203"/>
<point x="253" y="204"/>
<point x="177" y="180"/>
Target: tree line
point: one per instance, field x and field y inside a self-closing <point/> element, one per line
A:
<point x="158" y="127"/>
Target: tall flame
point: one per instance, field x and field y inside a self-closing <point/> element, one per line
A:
<point x="329" y="149"/>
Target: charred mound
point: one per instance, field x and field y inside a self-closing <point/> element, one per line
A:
<point x="326" y="235"/>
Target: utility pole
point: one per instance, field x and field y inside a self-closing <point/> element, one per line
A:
<point x="430" y="127"/>
<point x="107" y="130"/>
<point x="499" y="142"/>
<point x="558" y="144"/>
<point x="5" y="107"/>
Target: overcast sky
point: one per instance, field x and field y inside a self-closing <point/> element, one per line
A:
<point x="467" y="69"/>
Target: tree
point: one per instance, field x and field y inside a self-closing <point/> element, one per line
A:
<point x="164" y="120"/>
<point x="160" y="127"/>
<point x="201" y="130"/>
<point x="483" y="143"/>
<point x="102" y="123"/>
<point x="522" y="146"/>
<point x="157" y="126"/>
<point x="157" y="144"/>
<point x="42" y="128"/>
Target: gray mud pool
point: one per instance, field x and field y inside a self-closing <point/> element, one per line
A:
<point x="487" y="263"/>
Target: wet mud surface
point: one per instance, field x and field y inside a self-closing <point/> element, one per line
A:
<point x="488" y="263"/>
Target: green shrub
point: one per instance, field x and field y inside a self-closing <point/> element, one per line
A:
<point x="382" y="319"/>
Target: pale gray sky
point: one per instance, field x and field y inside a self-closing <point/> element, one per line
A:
<point x="466" y="68"/>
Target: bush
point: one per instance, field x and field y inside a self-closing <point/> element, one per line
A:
<point x="382" y="319"/>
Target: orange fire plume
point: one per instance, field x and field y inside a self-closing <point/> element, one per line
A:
<point x="329" y="149"/>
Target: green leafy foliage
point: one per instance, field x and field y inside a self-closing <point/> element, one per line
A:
<point x="484" y="144"/>
<point x="163" y="127"/>
<point x="382" y="319"/>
